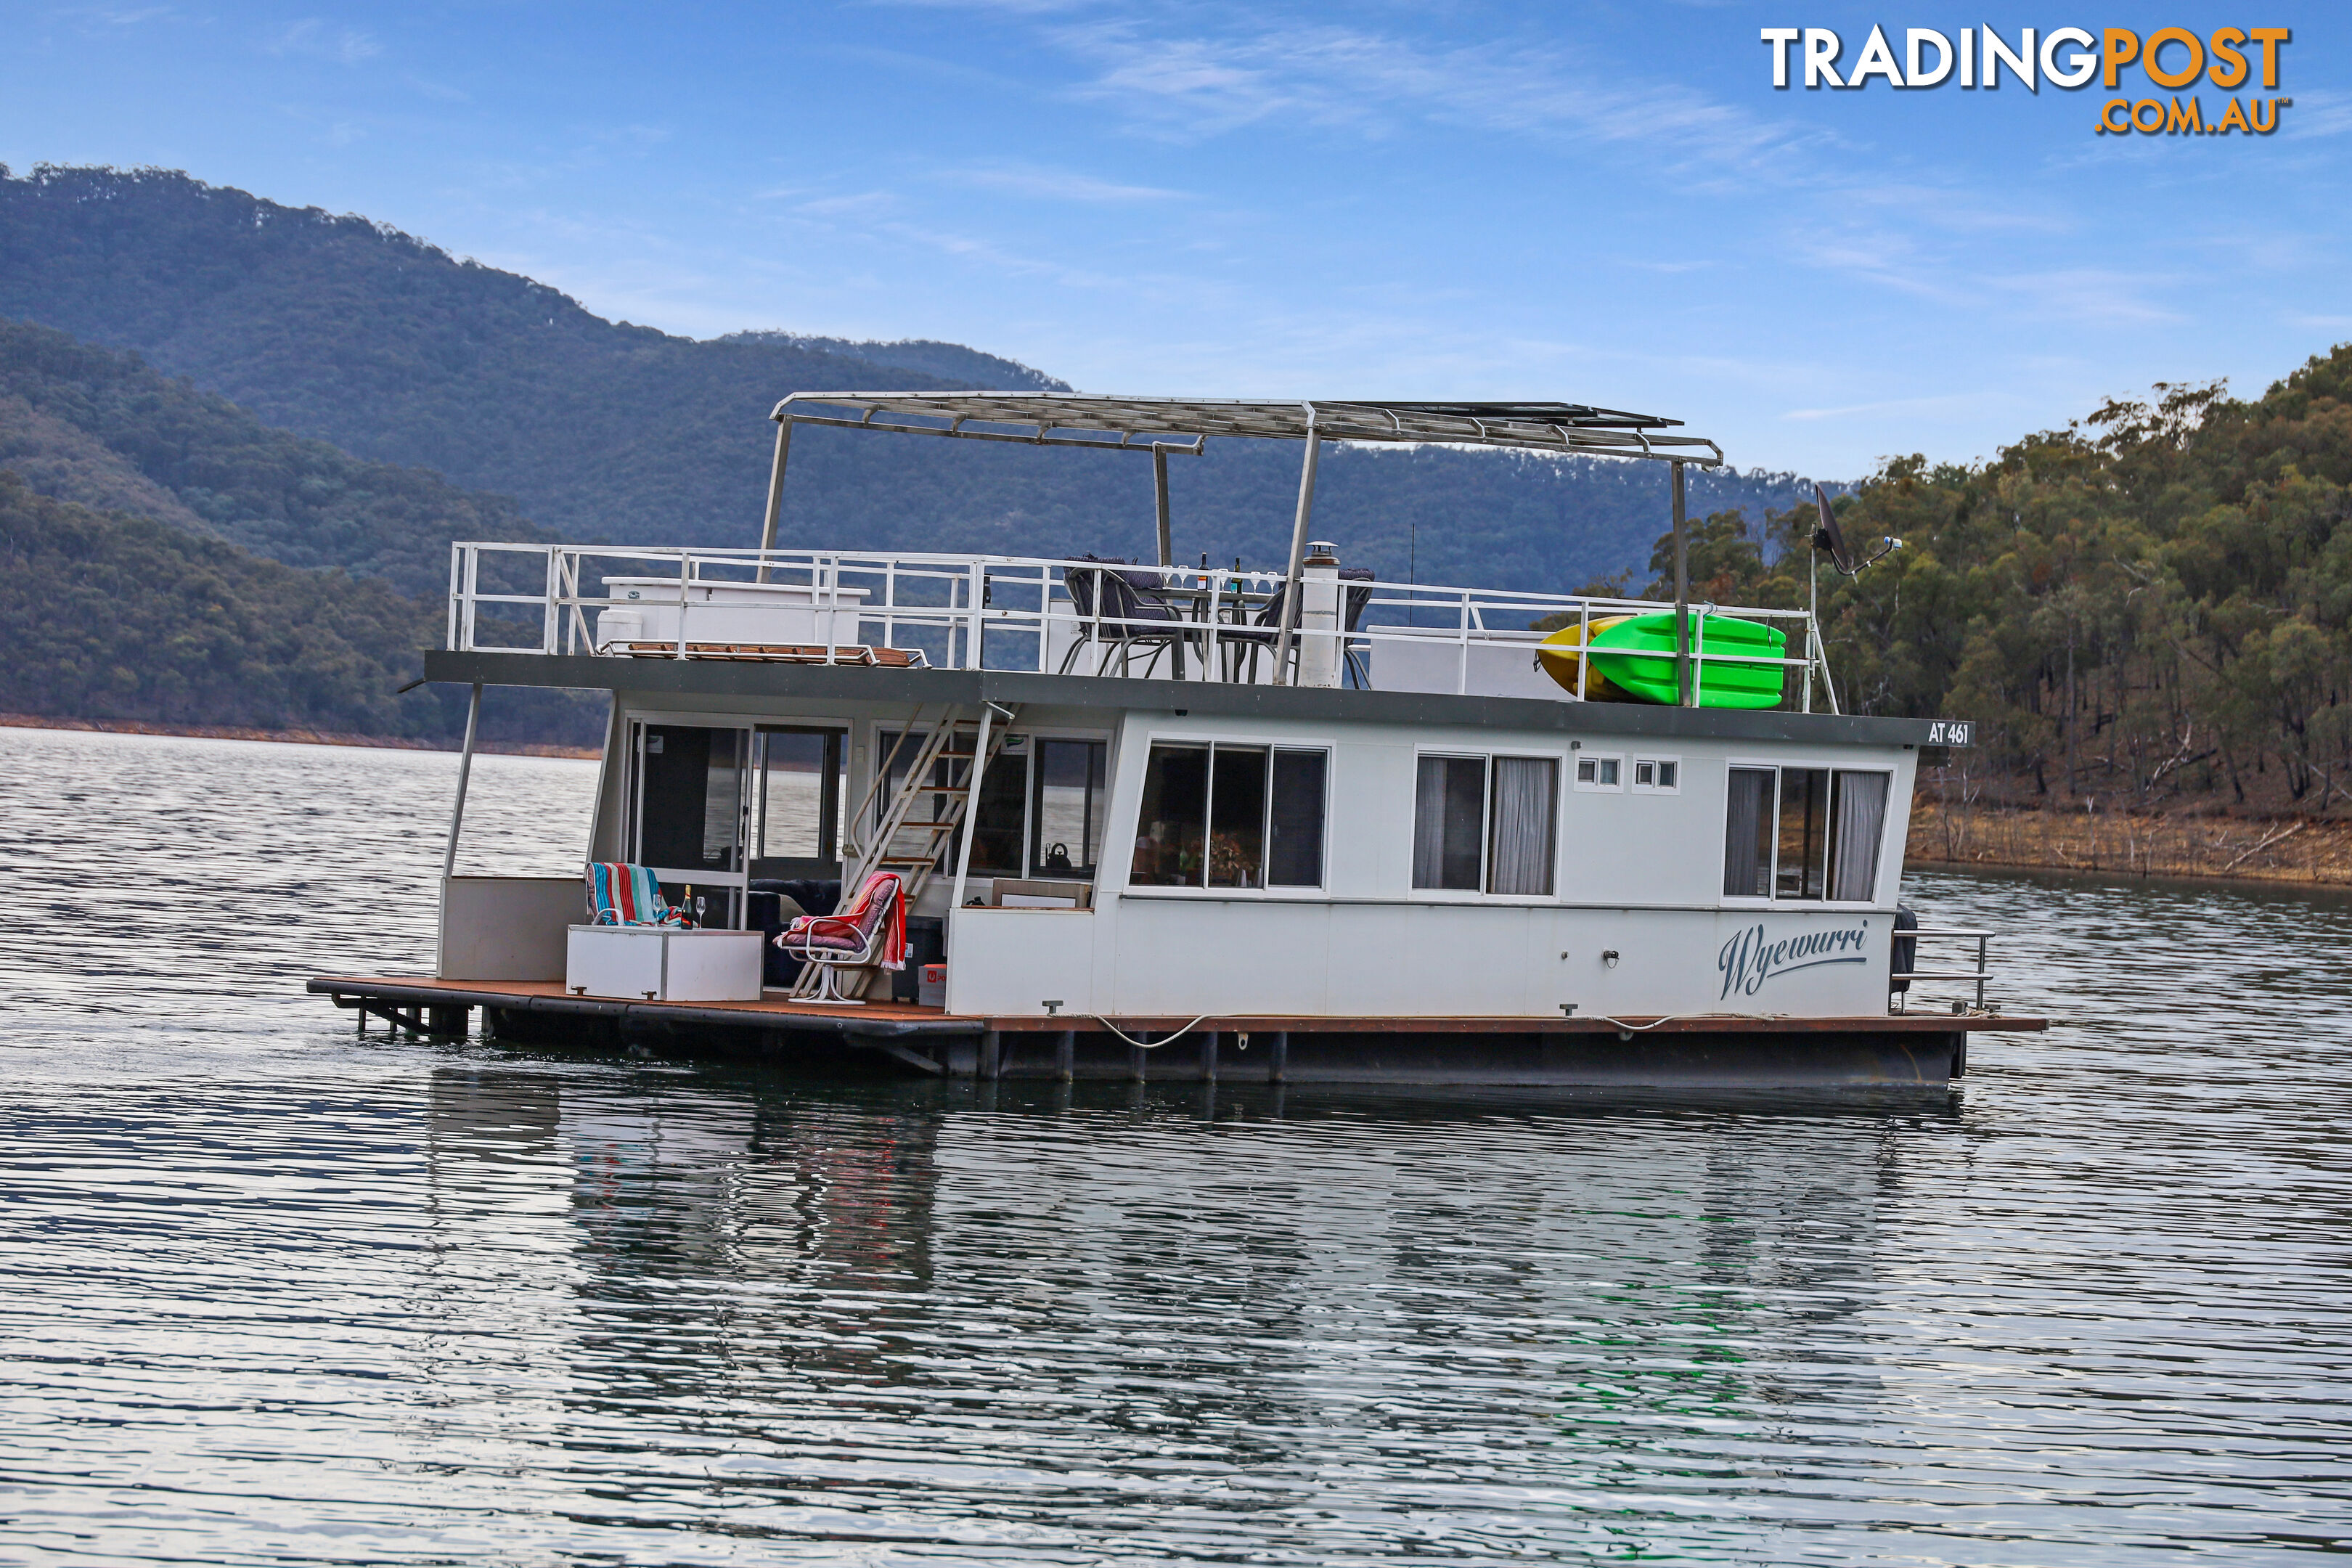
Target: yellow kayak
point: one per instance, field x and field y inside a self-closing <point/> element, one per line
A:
<point x="1558" y="657"/>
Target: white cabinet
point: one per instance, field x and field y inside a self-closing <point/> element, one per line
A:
<point x="648" y="609"/>
<point x="661" y="963"/>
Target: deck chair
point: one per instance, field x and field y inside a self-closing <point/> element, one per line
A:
<point x="620" y="894"/>
<point x="872" y="930"/>
<point x="1134" y="615"/>
<point x="1267" y="627"/>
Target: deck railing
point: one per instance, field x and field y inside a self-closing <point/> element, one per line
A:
<point x="1052" y="615"/>
<point x="1981" y="975"/>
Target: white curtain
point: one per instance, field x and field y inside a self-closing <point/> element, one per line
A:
<point x="1747" y="847"/>
<point x="1526" y="793"/>
<point x="1859" y="824"/>
<point x="1429" y="824"/>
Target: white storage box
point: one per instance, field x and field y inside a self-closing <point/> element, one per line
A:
<point x="661" y="963"/>
<point x="731" y="612"/>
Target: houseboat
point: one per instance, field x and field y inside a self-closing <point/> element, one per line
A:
<point x="992" y="816"/>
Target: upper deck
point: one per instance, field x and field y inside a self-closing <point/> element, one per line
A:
<point x="897" y="627"/>
<point x="1313" y="636"/>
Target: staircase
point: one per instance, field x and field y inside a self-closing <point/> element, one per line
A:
<point x="907" y="838"/>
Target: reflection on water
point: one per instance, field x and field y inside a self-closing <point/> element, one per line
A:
<point x="281" y="1294"/>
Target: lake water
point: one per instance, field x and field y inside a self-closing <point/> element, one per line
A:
<point x="278" y="1293"/>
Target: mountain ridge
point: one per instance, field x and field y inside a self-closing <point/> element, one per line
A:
<point x="351" y="331"/>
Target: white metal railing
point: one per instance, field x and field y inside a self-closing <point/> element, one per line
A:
<point x="1054" y="616"/>
<point x="1980" y="975"/>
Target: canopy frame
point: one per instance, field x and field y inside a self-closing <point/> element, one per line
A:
<point x="1161" y="426"/>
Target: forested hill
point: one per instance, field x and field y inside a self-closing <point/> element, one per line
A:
<point x="108" y="616"/>
<point x="2150" y="606"/>
<point x="101" y="428"/>
<point x="346" y="330"/>
<point x="172" y="559"/>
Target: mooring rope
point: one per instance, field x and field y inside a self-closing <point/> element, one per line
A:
<point x="1150" y="1045"/>
<point x="1683" y="1017"/>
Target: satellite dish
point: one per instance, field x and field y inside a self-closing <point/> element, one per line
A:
<point x="1830" y="539"/>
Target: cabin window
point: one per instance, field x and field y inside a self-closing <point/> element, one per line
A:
<point x="1000" y="816"/>
<point x="1525" y="805"/>
<point x="797" y="816"/>
<point x="1748" y="837"/>
<point x="1173" y="828"/>
<point x="1067" y="807"/>
<point x="1657" y="775"/>
<point x="690" y="797"/>
<point x="1231" y="817"/>
<point x="1484" y="825"/>
<point x="1599" y="773"/>
<point x="1804" y="834"/>
<point x="1449" y="823"/>
<point x="1294" y="855"/>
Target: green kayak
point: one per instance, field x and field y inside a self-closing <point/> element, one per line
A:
<point x="1719" y="685"/>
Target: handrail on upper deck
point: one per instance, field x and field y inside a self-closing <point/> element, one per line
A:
<point x="973" y="602"/>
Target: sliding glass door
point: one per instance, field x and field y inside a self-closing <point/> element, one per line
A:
<point x="690" y="808"/>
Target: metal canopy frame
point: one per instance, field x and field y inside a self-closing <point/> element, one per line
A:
<point x="1080" y="419"/>
<point x="1164" y="425"/>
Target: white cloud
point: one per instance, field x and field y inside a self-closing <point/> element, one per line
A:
<point x="1951" y="402"/>
<point x="314" y="38"/>
<point x="862" y="204"/>
<point x="1202" y="85"/>
<point x="1057" y="184"/>
<point x="2315" y="114"/>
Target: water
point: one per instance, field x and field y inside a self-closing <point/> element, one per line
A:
<point x="276" y="1294"/>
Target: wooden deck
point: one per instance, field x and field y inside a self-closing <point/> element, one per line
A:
<point x="1722" y="1049"/>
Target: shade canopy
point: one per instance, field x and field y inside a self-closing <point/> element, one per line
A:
<point x="1183" y="423"/>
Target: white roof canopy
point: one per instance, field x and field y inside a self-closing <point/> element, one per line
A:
<point x="1181" y="424"/>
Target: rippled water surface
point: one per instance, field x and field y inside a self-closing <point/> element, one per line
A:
<point x="279" y="1293"/>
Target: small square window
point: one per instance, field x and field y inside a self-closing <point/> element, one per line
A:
<point x="1600" y="772"/>
<point x="1657" y="775"/>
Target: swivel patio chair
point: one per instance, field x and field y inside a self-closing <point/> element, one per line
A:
<point x="872" y="931"/>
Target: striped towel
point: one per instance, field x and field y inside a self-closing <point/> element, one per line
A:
<point x="621" y="894"/>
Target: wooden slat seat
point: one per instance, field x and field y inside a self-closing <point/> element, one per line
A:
<point x="785" y="652"/>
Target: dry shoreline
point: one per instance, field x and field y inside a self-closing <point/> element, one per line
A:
<point x="2204" y="845"/>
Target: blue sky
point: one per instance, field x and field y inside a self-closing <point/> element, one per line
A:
<point x="1602" y="202"/>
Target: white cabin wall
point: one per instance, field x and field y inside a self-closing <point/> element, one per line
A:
<point x="1639" y="875"/>
<point x="1898" y="826"/>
